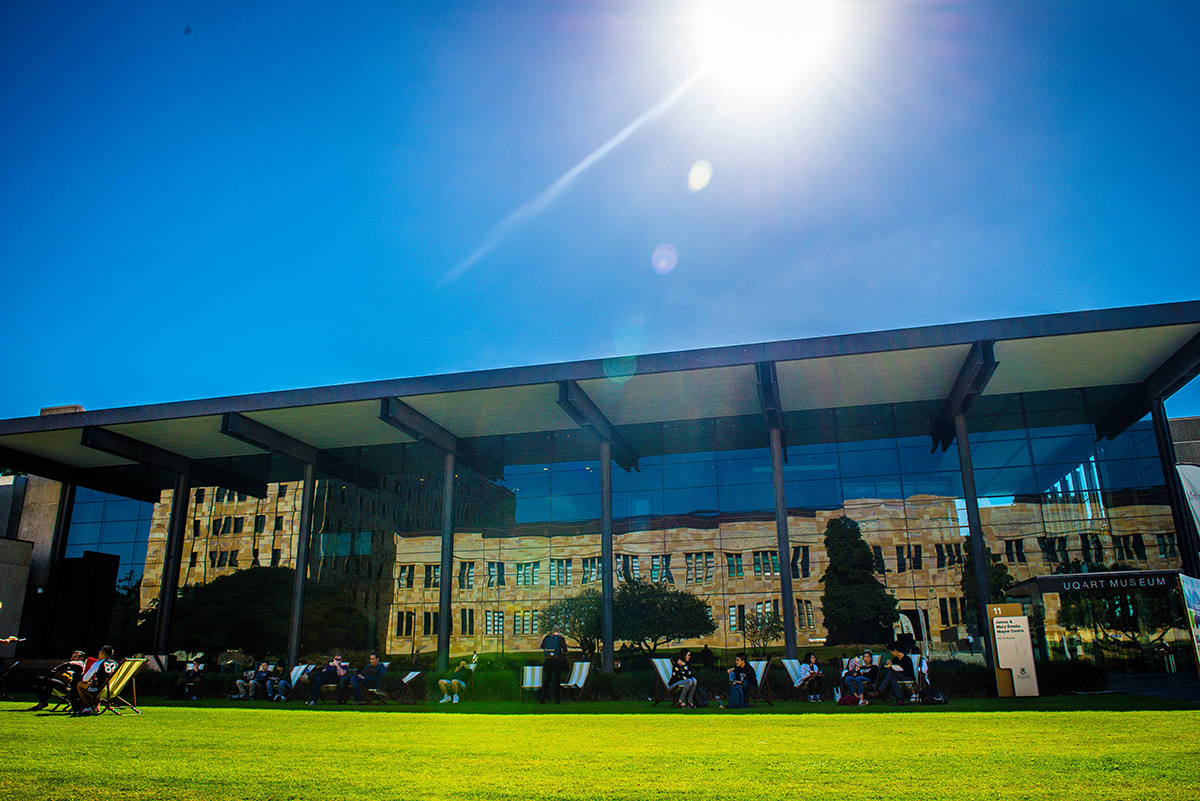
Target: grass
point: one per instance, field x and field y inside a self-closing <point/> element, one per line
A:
<point x="1100" y="747"/>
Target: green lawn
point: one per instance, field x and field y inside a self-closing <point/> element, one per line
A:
<point x="1072" y="747"/>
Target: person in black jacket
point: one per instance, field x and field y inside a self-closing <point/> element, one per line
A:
<point x="682" y="679"/>
<point x="554" y="649"/>
<point x="743" y="684"/>
<point x="62" y="677"/>
<point x="899" y="668"/>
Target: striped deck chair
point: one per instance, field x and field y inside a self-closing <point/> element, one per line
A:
<point x="792" y="666"/>
<point x="920" y="676"/>
<point x="294" y="680"/>
<point x="531" y="679"/>
<point x="578" y="679"/>
<point x="110" y="696"/>
<point x="762" y="674"/>
<point x="404" y="693"/>
<point x="662" y="667"/>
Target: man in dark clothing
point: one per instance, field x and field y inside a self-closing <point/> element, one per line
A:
<point x="899" y="668"/>
<point x="62" y="677"/>
<point x="332" y="673"/>
<point x="369" y="675"/>
<point x="554" y="648"/>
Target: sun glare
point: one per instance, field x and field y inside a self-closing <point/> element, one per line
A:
<point x="762" y="48"/>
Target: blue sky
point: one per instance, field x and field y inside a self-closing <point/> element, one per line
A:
<point x="201" y="199"/>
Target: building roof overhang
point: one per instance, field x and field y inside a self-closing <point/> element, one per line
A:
<point x="1144" y="352"/>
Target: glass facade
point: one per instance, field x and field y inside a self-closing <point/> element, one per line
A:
<point x="698" y="513"/>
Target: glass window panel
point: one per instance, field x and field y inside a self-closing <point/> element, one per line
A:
<point x="699" y="472"/>
<point x="87" y="512"/>
<point x="825" y="494"/>
<point x="865" y="488"/>
<point x="745" y="471"/>
<point x="574" y="480"/>
<point x="1005" y="481"/>
<point x="85" y="495"/>
<point x="1077" y="449"/>
<point x="575" y="507"/>
<point x="999" y="453"/>
<point x="119" y="531"/>
<point x="533" y="510"/>
<point x="84" y="533"/>
<point x="637" y="504"/>
<point x="918" y="459"/>
<point x="688" y="501"/>
<point x="1118" y="474"/>
<point x="123" y="510"/>
<point x="1136" y="441"/>
<point x="933" y="484"/>
<point x="870" y="463"/>
<point x="528" y="483"/>
<point x="747" y="497"/>
<point x="650" y="477"/>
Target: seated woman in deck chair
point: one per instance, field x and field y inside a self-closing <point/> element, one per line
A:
<point x="853" y="677"/>
<point x="743" y="684"/>
<point x="682" y="679"/>
<point x="811" y="680"/>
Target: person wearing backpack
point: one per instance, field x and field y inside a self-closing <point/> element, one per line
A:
<point x="743" y="684"/>
<point x="554" y="649"/>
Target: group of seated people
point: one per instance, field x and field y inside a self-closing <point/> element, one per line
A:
<point x="861" y="677"/>
<point x="77" y="681"/>
<point x="368" y="677"/>
<point x="268" y="679"/>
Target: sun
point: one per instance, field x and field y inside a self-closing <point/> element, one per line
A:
<point x="756" y="49"/>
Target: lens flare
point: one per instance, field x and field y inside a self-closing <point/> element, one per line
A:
<point x="699" y="175"/>
<point x="664" y="259"/>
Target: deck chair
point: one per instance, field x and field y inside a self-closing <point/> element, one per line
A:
<point x="762" y="674"/>
<point x="371" y="694"/>
<point x="294" y="681"/>
<point x="531" y="679"/>
<point x="110" y="698"/>
<point x="662" y="667"/>
<point x="920" y="676"/>
<point x="578" y="679"/>
<point x="792" y="666"/>
<point x="404" y="694"/>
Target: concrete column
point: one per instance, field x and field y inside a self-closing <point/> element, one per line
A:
<point x="444" y="621"/>
<point x="169" y="585"/>
<point x="606" y="557"/>
<point x="783" y="542"/>
<point x="978" y="545"/>
<point x="1181" y="513"/>
<point x="307" y="493"/>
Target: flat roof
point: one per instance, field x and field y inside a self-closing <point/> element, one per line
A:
<point x="1153" y="349"/>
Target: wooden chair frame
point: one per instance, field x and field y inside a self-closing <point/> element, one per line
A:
<point x="404" y="693"/>
<point x="578" y="679"/>
<point x="762" y="674"/>
<point x="109" y="698"/>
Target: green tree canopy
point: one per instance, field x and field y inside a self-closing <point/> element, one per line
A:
<point x="250" y="611"/>
<point x="856" y="606"/>
<point x="578" y="618"/>
<point x="651" y="614"/>
<point x="999" y="579"/>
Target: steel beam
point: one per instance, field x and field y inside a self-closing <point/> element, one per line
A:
<point x="110" y="442"/>
<point x="772" y="409"/>
<point x="307" y="493"/>
<point x="587" y="415"/>
<point x="252" y="432"/>
<point x="973" y="377"/>
<point x="978" y="544"/>
<point x="405" y="418"/>
<point x="447" y="568"/>
<point x="1181" y="513"/>
<point x="1170" y="377"/>
<point x="606" y="557"/>
<point x="172" y="559"/>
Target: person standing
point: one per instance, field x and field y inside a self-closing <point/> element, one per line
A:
<point x="554" y="649"/>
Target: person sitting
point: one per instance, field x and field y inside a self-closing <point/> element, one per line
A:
<point x="898" y="669"/>
<point x="332" y="673"/>
<point x="743" y="684"/>
<point x="853" y="677"/>
<point x="277" y="684"/>
<point x="62" y="678"/>
<point x="456" y="684"/>
<point x="95" y="675"/>
<point x="188" y="687"/>
<point x="249" y="686"/>
<point x="682" y="679"/>
<point x="810" y="680"/>
<point x="869" y="671"/>
<point x="369" y="675"/>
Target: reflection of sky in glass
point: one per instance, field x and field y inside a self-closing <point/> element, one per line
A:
<point x="110" y="524"/>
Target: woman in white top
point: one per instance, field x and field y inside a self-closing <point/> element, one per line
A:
<point x="810" y="679"/>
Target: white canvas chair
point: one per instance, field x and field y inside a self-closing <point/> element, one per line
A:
<point x="294" y="677"/>
<point x="762" y="674"/>
<point x="578" y="679"/>
<point x="531" y="679"/>
<point x="404" y="694"/>
<point x="792" y="666"/>
<point x="662" y="667"/>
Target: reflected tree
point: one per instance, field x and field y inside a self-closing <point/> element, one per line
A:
<point x="857" y="608"/>
<point x="650" y="614"/>
<point x="578" y="618"/>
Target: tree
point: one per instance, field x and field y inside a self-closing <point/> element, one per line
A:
<point x="761" y="629"/>
<point x="250" y="611"/>
<point x="857" y="608"/>
<point x="578" y="618"/>
<point x="651" y="614"/>
<point x="999" y="579"/>
<point x="1121" y="622"/>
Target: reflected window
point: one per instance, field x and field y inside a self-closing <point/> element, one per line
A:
<point x="733" y="564"/>
<point x="560" y="572"/>
<point x="495" y="574"/>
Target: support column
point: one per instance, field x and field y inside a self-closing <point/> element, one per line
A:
<point x="58" y="545"/>
<point x="1181" y="513"/>
<point x="172" y="558"/>
<point x="444" y="621"/>
<point x="783" y="542"/>
<point x="978" y="545"/>
<point x="606" y="557"/>
<point x="307" y="493"/>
